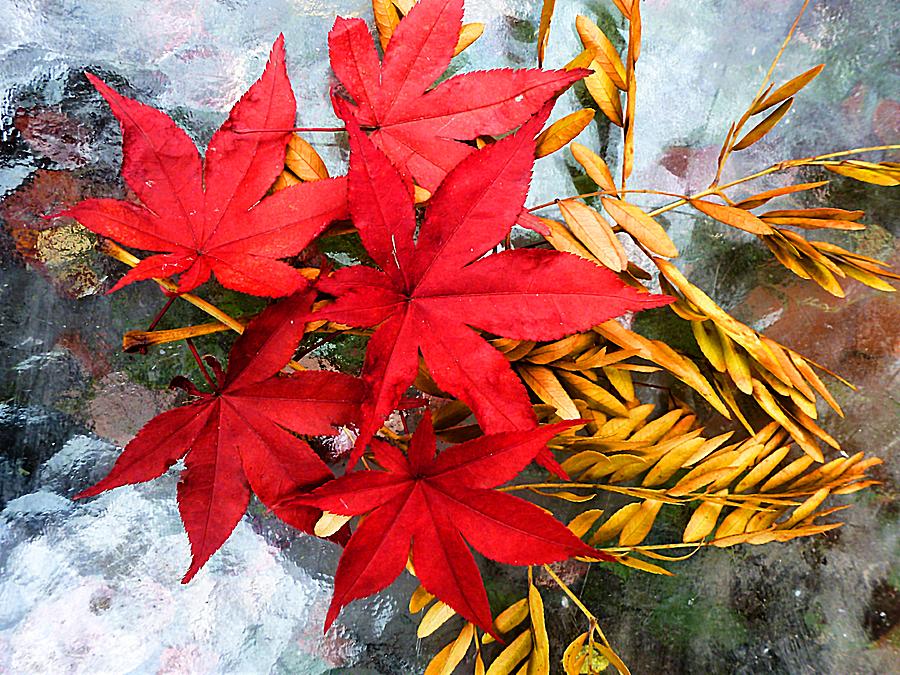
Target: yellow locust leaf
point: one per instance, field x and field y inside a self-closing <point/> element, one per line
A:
<point x="762" y="197"/>
<point x="764" y="127"/>
<point x="733" y="216"/>
<point x="562" y="131"/>
<point x="788" y="473"/>
<point x="594" y="166"/>
<point x="386" y="20"/>
<point x="703" y="520"/>
<point x="509" y="618"/>
<point x="621" y="380"/>
<point x="329" y="523"/>
<point x="573" y="658"/>
<point x="736" y="364"/>
<point x="285" y="180"/>
<point x="651" y="432"/>
<point x="605" y="93"/>
<point x="583" y="60"/>
<point x="515" y="652"/>
<point x="639" y="225"/>
<point x="734" y="523"/>
<point x="867" y="172"/>
<point x="767" y="402"/>
<point x="759" y="472"/>
<point x="638" y="526"/>
<point x="595" y="233"/>
<point x="439" y="660"/>
<point x="672" y="461"/>
<point x="544" y="29"/>
<point x="544" y="383"/>
<point x="644" y="566"/>
<point x="605" y="54"/>
<point x="616" y="522"/>
<point x="806" y="508"/>
<point x="434" y="618"/>
<point x="594" y="394"/>
<point x="539" y="663"/>
<point x="467" y="35"/>
<point x="562" y="240"/>
<point x="788" y="89"/>
<point x="458" y="649"/>
<point x="584" y="521"/>
<point x="709" y="344"/>
<point x="419" y="600"/>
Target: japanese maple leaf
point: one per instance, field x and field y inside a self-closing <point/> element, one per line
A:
<point x="211" y="216"/>
<point x="432" y="292"/>
<point x="421" y="129"/>
<point x="238" y="437"/>
<point x="435" y="507"/>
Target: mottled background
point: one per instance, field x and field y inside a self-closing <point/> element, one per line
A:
<point x="95" y="587"/>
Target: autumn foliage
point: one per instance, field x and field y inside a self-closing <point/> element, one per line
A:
<point x="515" y="351"/>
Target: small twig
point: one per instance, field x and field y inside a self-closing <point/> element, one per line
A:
<point x="190" y="344"/>
<point x="113" y="250"/>
<point x="291" y="129"/>
<point x="735" y="132"/>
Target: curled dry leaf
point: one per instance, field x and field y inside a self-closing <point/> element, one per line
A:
<point x="544" y="29"/>
<point x="764" y="127"/>
<point x="594" y="166"/>
<point x="788" y="89"/>
<point x="604" y="53"/>
<point x="592" y="230"/>
<point x="883" y="173"/>
<point x="730" y="215"/>
<point x="639" y="225"/>
<point x="562" y="131"/>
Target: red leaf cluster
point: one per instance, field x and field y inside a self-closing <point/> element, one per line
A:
<point x="420" y="127"/>
<point x="238" y="438"/>
<point x="210" y="216"/>
<point x="436" y="285"/>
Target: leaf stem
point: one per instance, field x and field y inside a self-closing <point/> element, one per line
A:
<point x="733" y="133"/>
<point x="161" y="313"/>
<point x="200" y="364"/>
<point x="779" y="166"/>
<point x="291" y="129"/>
<point x="113" y="250"/>
<point x="598" y="193"/>
<point x="578" y="603"/>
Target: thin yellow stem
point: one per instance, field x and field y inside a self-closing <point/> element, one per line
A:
<point x="733" y="135"/>
<point x="113" y="250"/>
<point x="568" y="591"/>
<point x="780" y="166"/>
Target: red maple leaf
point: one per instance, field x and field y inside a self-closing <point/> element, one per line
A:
<point x="437" y="506"/>
<point x="421" y="129"/>
<point x="210" y="216"/>
<point x="433" y="290"/>
<point x="237" y="437"/>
